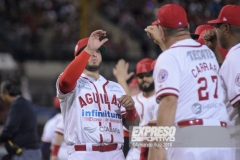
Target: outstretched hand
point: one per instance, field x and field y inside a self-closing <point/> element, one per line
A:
<point x="121" y="70"/>
<point x="94" y="43"/>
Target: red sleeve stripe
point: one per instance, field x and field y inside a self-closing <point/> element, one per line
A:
<point x="236" y="103"/>
<point x="59" y="132"/>
<point x="168" y="88"/>
<point x="166" y="94"/>
<point x="237" y="97"/>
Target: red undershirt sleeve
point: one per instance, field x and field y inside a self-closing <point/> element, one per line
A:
<point x="67" y="81"/>
<point x="131" y="115"/>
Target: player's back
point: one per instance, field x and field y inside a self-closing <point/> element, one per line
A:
<point x="190" y="71"/>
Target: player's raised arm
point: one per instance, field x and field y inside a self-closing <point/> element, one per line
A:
<point x="210" y="39"/>
<point x="67" y="80"/>
<point x="121" y="73"/>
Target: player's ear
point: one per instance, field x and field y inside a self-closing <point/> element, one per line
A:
<point x="162" y="34"/>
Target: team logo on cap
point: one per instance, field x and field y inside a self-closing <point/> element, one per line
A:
<point x="237" y="80"/>
<point x="179" y="23"/>
<point x="162" y="75"/>
<point x="224" y="19"/>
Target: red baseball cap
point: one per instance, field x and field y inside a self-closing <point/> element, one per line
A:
<point x="133" y="82"/>
<point x="204" y="27"/>
<point x="82" y="44"/>
<point x="144" y="66"/>
<point x="221" y="50"/>
<point x="229" y="14"/>
<point x="153" y="64"/>
<point x="200" y="38"/>
<point x="56" y="102"/>
<point x="171" y="16"/>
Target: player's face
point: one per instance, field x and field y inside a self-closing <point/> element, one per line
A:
<point x="145" y="81"/>
<point x="220" y="36"/>
<point x="95" y="61"/>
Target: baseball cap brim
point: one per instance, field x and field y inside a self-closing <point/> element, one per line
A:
<point x="216" y="21"/>
<point x="102" y="49"/>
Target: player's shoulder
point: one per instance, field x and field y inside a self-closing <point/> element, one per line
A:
<point x="234" y="53"/>
<point x="112" y="85"/>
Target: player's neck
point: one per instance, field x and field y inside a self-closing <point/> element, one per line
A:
<point x="173" y="40"/>
<point x="149" y="94"/>
<point x="233" y="41"/>
<point x="95" y="75"/>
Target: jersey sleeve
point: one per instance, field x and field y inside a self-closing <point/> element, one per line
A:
<point x="230" y="74"/>
<point x="167" y="75"/>
<point x="61" y="95"/>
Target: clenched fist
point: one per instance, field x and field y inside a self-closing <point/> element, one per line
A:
<point x="127" y="102"/>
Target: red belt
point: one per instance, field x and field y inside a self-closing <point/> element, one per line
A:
<point x="100" y="148"/>
<point x="197" y="122"/>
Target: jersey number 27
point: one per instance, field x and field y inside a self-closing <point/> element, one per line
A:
<point x="202" y="90"/>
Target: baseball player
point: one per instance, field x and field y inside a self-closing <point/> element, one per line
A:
<point x="228" y="36"/>
<point x="48" y="131"/>
<point x="94" y="109"/>
<point x="59" y="151"/>
<point x="145" y="100"/>
<point x="186" y="89"/>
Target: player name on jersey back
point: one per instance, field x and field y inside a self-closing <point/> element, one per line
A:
<point x="189" y="71"/>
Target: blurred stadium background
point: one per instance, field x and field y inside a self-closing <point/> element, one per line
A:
<point x="37" y="39"/>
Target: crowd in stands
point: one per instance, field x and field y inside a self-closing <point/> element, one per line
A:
<point x="49" y="29"/>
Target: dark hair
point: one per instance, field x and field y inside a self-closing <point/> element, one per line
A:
<point x="235" y="29"/>
<point x="80" y="50"/>
<point x="13" y="87"/>
<point x="174" y="32"/>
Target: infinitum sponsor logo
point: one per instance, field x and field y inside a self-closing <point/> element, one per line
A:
<point x="96" y="113"/>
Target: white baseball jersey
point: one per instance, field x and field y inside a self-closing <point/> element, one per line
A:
<point x="91" y="112"/>
<point x="189" y="71"/>
<point x="145" y="107"/>
<point x="62" y="153"/>
<point x="48" y="130"/>
<point x="230" y="73"/>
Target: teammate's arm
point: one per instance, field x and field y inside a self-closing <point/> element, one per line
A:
<point x="67" y="81"/>
<point x="210" y="38"/>
<point x="121" y="73"/>
<point x="131" y="118"/>
<point x="57" y="143"/>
